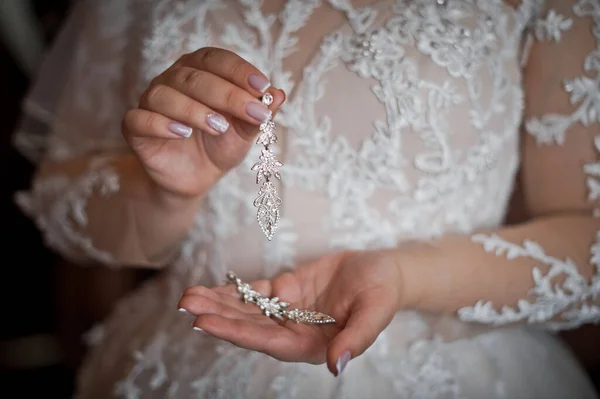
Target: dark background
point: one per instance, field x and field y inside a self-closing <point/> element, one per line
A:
<point x="28" y="269"/>
<point x="45" y="303"/>
<point x="42" y="306"/>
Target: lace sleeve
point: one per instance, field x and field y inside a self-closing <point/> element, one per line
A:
<point x="58" y="206"/>
<point x="74" y="110"/>
<point x="560" y="166"/>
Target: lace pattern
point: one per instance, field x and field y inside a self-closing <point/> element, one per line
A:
<point x="440" y="156"/>
<point x="573" y="301"/>
<point x="58" y="207"/>
<point x="583" y="90"/>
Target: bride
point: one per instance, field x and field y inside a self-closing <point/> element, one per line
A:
<point x="405" y="127"/>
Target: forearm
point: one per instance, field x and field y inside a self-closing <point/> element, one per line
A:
<point x="456" y="272"/>
<point x="110" y="213"/>
<point x="139" y="225"/>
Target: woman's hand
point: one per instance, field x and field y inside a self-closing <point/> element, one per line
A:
<point x="197" y="120"/>
<point x="361" y="290"/>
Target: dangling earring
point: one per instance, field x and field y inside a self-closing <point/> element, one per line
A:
<point x="268" y="201"/>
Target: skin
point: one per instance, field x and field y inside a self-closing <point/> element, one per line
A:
<point x="363" y="290"/>
<point x="165" y="177"/>
<point x="352" y="287"/>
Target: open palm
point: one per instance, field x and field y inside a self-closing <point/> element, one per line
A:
<point x="361" y="290"/>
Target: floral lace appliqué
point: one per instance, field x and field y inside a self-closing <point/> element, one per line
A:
<point x="573" y="301"/>
<point x="58" y="206"/>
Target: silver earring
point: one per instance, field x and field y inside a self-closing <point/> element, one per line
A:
<point x="276" y="308"/>
<point x="268" y="200"/>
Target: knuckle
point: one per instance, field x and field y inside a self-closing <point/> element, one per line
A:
<point x="230" y="98"/>
<point x="189" y="77"/>
<point x="236" y="68"/>
<point x="189" y="110"/>
<point x="183" y="60"/>
<point x="157" y="80"/>
<point x="154" y="94"/>
<point x="150" y="122"/>
<point x="208" y="53"/>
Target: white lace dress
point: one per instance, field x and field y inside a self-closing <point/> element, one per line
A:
<point x="402" y="122"/>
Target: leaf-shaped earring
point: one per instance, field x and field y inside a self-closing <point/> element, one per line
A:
<point x="276" y="308"/>
<point x="268" y="201"/>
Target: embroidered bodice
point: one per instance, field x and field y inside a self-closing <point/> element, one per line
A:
<point x="402" y="122"/>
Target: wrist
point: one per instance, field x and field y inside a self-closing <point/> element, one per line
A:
<point x="411" y="261"/>
<point x="170" y="201"/>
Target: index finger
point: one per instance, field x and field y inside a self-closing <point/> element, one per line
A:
<point x="229" y="66"/>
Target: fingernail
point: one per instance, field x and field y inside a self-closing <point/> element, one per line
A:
<point x="258" y="82"/>
<point x="200" y="330"/>
<point x="182" y="310"/>
<point x="342" y="362"/>
<point x="217" y="122"/>
<point x="284" y="97"/>
<point x="258" y="112"/>
<point x="180" y="129"/>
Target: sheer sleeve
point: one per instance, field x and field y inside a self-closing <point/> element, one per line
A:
<point x="85" y="83"/>
<point x="560" y="173"/>
<point x="101" y="62"/>
<point x="74" y="110"/>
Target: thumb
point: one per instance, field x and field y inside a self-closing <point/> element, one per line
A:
<point x="369" y="315"/>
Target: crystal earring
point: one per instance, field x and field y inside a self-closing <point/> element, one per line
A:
<point x="276" y="308"/>
<point x="268" y="201"/>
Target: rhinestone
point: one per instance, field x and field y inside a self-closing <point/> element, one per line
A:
<point x="267" y="99"/>
<point x="273" y="307"/>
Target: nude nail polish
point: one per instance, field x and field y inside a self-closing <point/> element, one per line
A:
<point x="258" y="82"/>
<point x="217" y="122"/>
<point x="258" y="111"/>
<point x="342" y="362"/>
<point x="201" y="331"/>
<point x="180" y="129"/>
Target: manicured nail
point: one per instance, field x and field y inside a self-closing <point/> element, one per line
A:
<point x="182" y="310"/>
<point x="258" y="82"/>
<point x="258" y="111"/>
<point x="217" y="122"/>
<point x="180" y="129"/>
<point x="200" y="330"/>
<point x="342" y="362"/>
